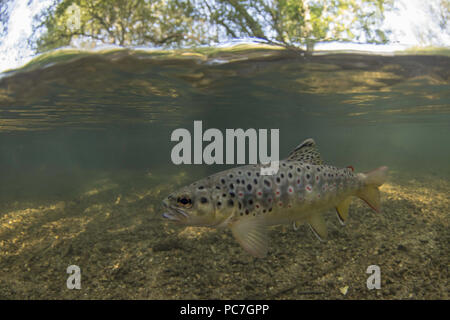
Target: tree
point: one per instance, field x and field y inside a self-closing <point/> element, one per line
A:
<point x="300" y="22"/>
<point x="171" y="23"/>
<point x="119" y="22"/>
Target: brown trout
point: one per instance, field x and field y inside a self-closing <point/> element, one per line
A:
<point x="248" y="202"/>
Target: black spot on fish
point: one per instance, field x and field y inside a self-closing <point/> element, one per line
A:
<point x="224" y="195"/>
<point x="255" y="181"/>
<point x="232" y="194"/>
<point x="222" y="180"/>
<point x="318" y="169"/>
<point x="267" y="182"/>
<point x="219" y="203"/>
<point x="278" y="180"/>
<point x="230" y="203"/>
<point x="217" y="187"/>
<point x="283" y="164"/>
<point x="308" y="167"/>
<point x="246" y="211"/>
<point x="291" y="167"/>
<point x="203" y="200"/>
<point x="240" y="172"/>
<point x="270" y="209"/>
<point x="250" y="201"/>
<point x="308" y="176"/>
<point x="282" y="176"/>
<point x="249" y="173"/>
<point x="231" y="186"/>
<point x="298" y="169"/>
<point x="230" y="175"/>
<point x="257" y="174"/>
<point x="249" y="187"/>
<point x="264" y="210"/>
<point x="240" y="205"/>
<point x="238" y="181"/>
<point x="201" y="188"/>
<point x="290" y="175"/>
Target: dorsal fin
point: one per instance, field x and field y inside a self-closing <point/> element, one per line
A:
<point x="306" y="152"/>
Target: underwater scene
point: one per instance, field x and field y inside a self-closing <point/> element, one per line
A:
<point x="85" y="165"/>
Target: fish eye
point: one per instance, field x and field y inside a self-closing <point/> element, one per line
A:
<point x="185" y="201"/>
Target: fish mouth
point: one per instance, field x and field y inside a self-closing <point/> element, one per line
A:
<point x="173" y="213"/>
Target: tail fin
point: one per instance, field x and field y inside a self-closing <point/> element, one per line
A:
<point x="370" y="193"/>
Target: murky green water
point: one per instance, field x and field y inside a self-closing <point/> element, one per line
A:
<point x="85" y="161"/>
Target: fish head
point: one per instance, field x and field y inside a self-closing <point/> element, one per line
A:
<point x="191" y="205"/>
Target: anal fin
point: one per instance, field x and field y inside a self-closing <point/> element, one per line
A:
<point x="251" y="233"/>
<point x="371" y="195"/>
<point x="342" y="210"/>
<point x="318" y="226"/>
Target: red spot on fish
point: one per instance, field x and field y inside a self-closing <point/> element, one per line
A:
<point x="259" y="193"/>
<point x="351" y="167"/>
<point x="289" y="206"/>
<point x="257" y="205"/>
<point x="278" y="192"/>
<point x="241" y="194"/>
<point x="270" y="200"/>
<point x="290" y="190"/>
<point x="298" y="181"/>
<point x="308" y="188"/>
<point x="317" y="178"/>
<point x="280" y="204"/>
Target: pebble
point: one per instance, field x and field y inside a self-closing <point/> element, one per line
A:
<point x="344" y="290"/>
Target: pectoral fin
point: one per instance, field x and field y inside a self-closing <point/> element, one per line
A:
<point x="342" y="210"/>
<point x="318" y="226"/>
<point x="251" y="233"/>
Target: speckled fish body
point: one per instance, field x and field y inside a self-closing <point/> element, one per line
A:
<point x="293" y="194"/>
<point x="247" y="201"/>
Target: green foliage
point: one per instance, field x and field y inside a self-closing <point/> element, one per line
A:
<point x="174" y="23"/>
<point x="119" y="22"/>
<point x="296" y="22"/>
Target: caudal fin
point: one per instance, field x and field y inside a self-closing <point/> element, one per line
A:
<point x="370" y="193"/>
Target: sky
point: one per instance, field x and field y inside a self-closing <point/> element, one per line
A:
<point x="406" y="23"/>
